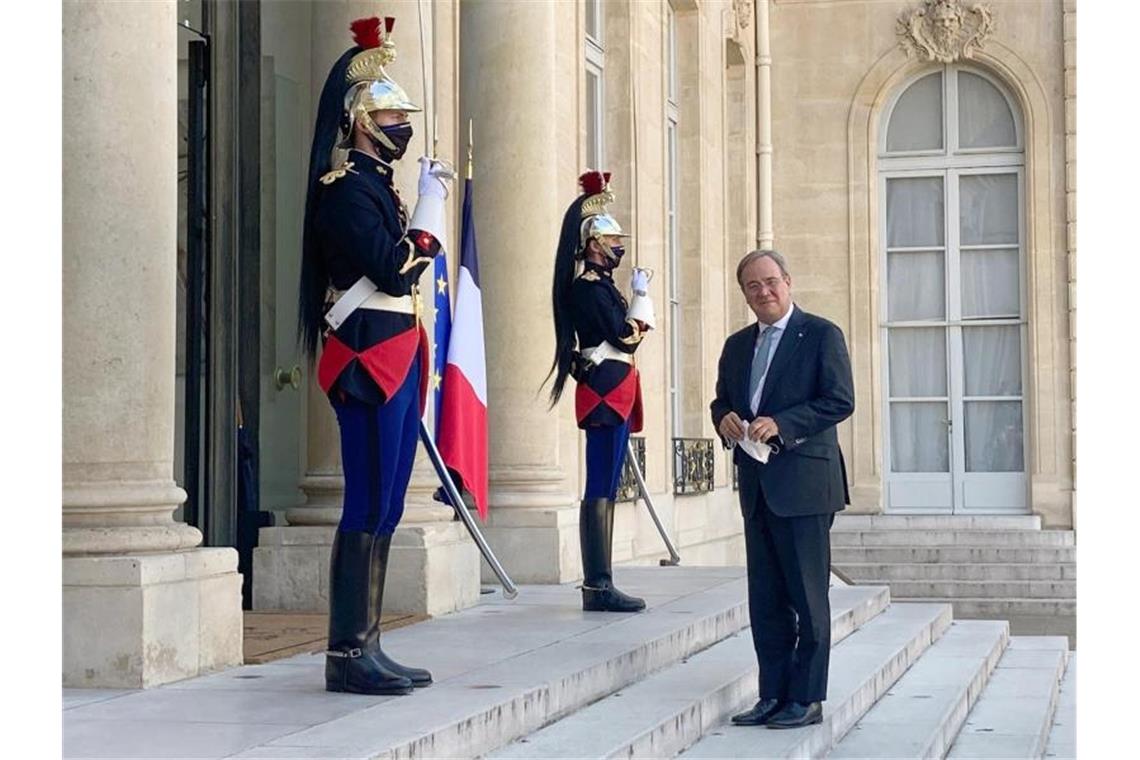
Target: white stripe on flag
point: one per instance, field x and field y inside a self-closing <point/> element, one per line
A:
<point x="466" y="350"/>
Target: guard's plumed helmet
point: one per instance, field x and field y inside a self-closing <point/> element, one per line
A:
<point x="369" y="88"/>
<point x="596" y="219"/>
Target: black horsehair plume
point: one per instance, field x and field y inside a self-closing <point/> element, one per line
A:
<point x="314" y="275"/>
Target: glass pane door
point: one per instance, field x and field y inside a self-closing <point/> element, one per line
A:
<point x="918" y="373"/>
<point x="992" y="430"/>
<point x="954" y="342"/>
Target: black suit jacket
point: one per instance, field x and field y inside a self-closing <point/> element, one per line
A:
<point x="808" y="391"/>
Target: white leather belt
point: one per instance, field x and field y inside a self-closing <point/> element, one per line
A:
<point x="384" y="302"/>
<point x="606" y="352"/>
<point x="365" y="295"/>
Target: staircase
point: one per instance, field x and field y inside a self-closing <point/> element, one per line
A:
<point x="539" y="678"/>
<point x="1003" y="568"/>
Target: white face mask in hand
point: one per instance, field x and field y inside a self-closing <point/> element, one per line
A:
<point x="758" y="450"/>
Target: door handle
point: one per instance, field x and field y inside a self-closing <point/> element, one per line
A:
<point x="949" y="424"/>
<point x="291" y="377"/>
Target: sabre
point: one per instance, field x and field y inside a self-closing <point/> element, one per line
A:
<point x="674" y="557"/>
<point x="510" y="591"/>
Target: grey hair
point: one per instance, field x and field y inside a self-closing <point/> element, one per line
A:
<point x="751" y="256"/>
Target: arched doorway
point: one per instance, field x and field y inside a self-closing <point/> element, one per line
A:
<point x="952" y="224"/>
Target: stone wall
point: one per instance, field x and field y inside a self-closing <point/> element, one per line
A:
<point x="834" y="67"/>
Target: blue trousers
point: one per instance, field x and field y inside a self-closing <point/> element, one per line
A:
<point x="605" y="455"/>
<point x="377" y="450"/>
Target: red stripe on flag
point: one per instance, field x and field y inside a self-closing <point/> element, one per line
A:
<point x="463" y="435"/>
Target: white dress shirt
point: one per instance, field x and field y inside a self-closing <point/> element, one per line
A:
<point x="780" y="325"/>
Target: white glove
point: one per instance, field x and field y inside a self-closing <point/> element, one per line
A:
<point x="639" y="282"/>
<point x="434" y="177"/>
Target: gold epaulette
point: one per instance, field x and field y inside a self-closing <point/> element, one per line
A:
<point x="337" y="173"/>
<point x="590" y="276"/>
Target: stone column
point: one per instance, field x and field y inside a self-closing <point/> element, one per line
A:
<point x="435" y="565"/>
<point x="141" y="604"/>
<point x="521" y="89"/>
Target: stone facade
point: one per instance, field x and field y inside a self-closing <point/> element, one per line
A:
<point x="142" y="604"/>
<point x="835" y="66"/>
<point x="777" y="105"/>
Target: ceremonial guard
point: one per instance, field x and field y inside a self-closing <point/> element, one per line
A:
<point x="359" y="301"/>
<point x="588" y="304"/>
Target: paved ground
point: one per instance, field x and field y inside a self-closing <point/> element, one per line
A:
<point x="275" y="635"/>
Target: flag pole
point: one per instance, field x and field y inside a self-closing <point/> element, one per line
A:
<point x="510" y="591"/>
<point x="470" y="148"/>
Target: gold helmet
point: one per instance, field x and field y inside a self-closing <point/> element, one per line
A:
<point x="596" y="218"/>
<point x="369" y="86"/>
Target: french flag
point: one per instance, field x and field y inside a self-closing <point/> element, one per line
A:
<point x="462" y="423"/>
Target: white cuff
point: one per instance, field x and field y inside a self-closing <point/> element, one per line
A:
<point x="429" y="216"/>
<point x="641" y="309"/>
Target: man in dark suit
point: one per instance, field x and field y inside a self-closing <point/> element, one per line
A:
<point x="786" y="381"/>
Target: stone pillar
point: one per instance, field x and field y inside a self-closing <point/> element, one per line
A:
<point x="526" y="165"/>
<point x="435" y="566"/>
<point x="141" y="605"/>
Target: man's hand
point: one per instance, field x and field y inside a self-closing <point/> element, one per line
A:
<point x="731" y="427"/>
<point x="762" y="429"/>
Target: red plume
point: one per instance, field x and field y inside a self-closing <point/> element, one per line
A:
<point x="594" y="182"/>
<point x="389" y="22"/>
<point x="366" y="32"/>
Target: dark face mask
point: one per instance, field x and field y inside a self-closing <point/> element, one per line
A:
<point x="400" y="135"/>
<point x="618" y="251"/>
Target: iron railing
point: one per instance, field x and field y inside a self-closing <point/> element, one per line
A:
<point x="627" y="488"/>
<point x="692" y="465"/>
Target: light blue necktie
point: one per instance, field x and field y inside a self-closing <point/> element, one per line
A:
<point x="760" y="362"/>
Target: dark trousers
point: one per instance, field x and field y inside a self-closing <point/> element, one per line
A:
<point x="378" y="449"/>
<point x="789" y="560"/>
<point x="605" y="455"/>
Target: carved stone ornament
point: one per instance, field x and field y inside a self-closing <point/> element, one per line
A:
<point x="743" y="12"/>
<point x="944" y="30"/>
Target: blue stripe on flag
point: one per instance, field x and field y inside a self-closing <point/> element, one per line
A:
<point x="468" y="256"/>
<point x="442" y="289"/>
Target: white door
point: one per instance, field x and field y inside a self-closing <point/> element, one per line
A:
<point x="953" y="325"/>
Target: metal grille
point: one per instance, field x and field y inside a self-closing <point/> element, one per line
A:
<point x="627" y="488"/>
<point x="692" y="465"/>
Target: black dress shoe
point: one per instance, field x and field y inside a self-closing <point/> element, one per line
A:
<point x="759" y="714"/>
<point x="797" y="715"/>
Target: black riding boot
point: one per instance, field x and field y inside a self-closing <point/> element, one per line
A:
<point x="596" y="532"/>
<point x="418" y="676"/>
<point x="354" y="626"/>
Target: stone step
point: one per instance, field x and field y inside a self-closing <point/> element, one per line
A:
<point x="506" y="669"/>
<point x="1003" y="538"/>
<point x="991" y="609"/>
<point x="842" y="554"/>
<point x="669" y="710"/>
<point x="863" y="668"/>
<point x="921" y="714"/>
<point x="1013" y="716"/>
<point x="989" y="589"/>
<point x="926" y="571"/>
<point x="1062" y="741"/>
<point x="937" y="522"/>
